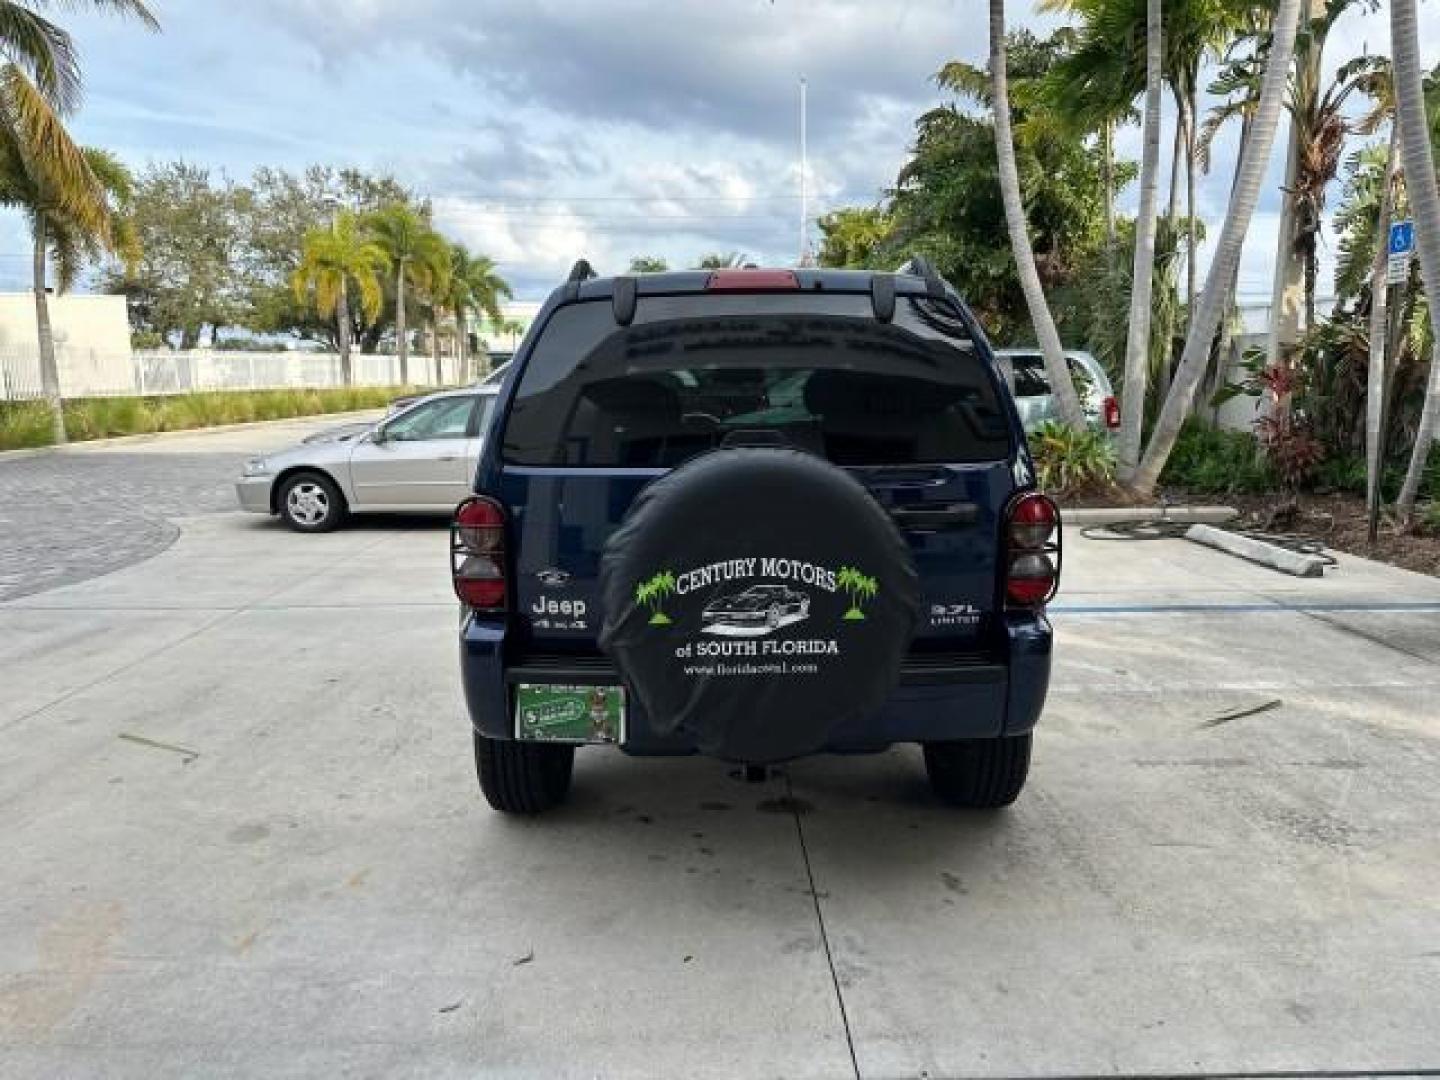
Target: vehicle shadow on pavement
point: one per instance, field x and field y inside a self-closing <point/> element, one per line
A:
<point x="871" y="813"/>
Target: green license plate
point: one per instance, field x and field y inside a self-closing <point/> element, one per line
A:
<point x="575" y="714"/>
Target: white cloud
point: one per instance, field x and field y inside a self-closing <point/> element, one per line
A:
<point x="551" y="129"/>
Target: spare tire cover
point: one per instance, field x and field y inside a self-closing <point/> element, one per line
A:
<point x="755" y="599"/>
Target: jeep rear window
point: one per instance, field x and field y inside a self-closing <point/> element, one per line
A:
<point x="818" y="372"/>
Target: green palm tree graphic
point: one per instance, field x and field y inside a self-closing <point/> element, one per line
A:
<point x="652" y="593"/>
<point x="860" y="587"/>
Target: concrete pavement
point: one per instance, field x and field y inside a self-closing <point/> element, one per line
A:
<point x="243" y="838"/>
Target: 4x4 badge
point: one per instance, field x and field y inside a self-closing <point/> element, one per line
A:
<point x="553" y="577"/>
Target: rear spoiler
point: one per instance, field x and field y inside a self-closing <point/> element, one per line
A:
<point x="882" y="288"/>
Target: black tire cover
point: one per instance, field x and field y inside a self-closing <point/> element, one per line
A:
<point x="755" y="599"/>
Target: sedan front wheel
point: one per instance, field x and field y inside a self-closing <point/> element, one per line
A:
<point x="311" y="503"/>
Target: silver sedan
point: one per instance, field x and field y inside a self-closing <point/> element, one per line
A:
<point x="418" y="460"/>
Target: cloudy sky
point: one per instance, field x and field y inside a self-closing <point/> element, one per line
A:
<point x="548" y="129"/>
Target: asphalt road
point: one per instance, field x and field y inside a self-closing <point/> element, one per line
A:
<point x="243" y="838"/>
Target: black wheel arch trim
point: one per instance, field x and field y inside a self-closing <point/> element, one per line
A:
<point x="285" y="475"/>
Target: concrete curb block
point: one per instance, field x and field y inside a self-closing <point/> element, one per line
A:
<point x="218" y="429"/>
<point x="1258" y="551"/>
<point x="1114" y="515"/>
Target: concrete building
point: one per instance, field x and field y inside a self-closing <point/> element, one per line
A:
<point x="92" y="345"/>
<point x="521" y="313"/>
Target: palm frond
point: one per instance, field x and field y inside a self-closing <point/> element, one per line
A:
<point x="136" y="9"/>
<point x="966" y="80"/>
<point x="56" y="171"/>
<point x="43" y="51"/>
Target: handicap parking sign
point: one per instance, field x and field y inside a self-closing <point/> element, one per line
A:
<point x="1402" y="238"/>
<point x="1402" y="250"/>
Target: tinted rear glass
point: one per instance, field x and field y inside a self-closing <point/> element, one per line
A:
<point x="815" y="371"/>
<point x="1031" y="381"/>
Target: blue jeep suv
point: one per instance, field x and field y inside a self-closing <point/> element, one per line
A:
<point x="755" y="514"/>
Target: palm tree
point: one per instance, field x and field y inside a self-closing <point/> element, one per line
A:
<point x="1137" y="342"/>
<point x="417" y="254"/>
<point x="721" y="260"/>
<point x="1056" y="371"/>
<point x="71" y="205"/>
<point x="1243" y="197"/>
<point x="1425" y="205"/>
<point x="1379" y="84"/>
<point x="513" y="327"/>
<point x="71" y="235"/>
<point x="474" y="284"/>
<point x="652" y="593"/>
<point x="1288" y="288"/>
<point x="331" y="261"/>
<point x="433" y="296"/>
<point x="1107" y="70"/>
<point x="459" y="298"/>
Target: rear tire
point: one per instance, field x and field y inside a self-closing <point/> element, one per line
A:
<point x="523" y="777"/>
<point x="979" y="773"/>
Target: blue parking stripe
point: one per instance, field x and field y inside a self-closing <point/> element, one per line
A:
<point x="1241" y="609"/>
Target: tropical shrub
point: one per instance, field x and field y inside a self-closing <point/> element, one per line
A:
<point x="1068" y="460"/>
<point x="1294" y="453"/>
<point x="1217" y="461"/>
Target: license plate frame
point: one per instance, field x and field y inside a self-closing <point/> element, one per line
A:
<point x="584" y="715"/>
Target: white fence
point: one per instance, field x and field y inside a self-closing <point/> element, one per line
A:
<point x="88" y="373"/>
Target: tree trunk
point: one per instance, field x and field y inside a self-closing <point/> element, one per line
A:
<point x="462" y="347"/>
<point x="342" y="327"/>
<point x="49" y="369"/>
<point x="1057" y="372"/>
<point x="1107" y="164"/>
<point x="1243" y="198"/>
<point x="435" y="350"/>
<point x="1137" y="342"/>
<point x="1424" y="196"/>
<point x="1173" y="211"/>
<point x="370" y="337"/>
<point x="1286" y="290"/>
<point x="1191" y="278"/>
<point x="402" y="339"/>
<point x="1379" y="289"/>
<point x="1227" y="324"/>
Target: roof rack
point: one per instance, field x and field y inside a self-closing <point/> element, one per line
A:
<point x="581" y="272"/>
<point x="622" y="300"/>
<point x="882" y="296"/>
<point x="921" y="267"/>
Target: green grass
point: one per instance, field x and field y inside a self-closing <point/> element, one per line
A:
<point x="25" y="424"/>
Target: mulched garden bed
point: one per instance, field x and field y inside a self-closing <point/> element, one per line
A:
<point x="1336" y="519"/>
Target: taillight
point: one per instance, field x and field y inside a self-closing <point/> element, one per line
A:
<point x="740" y="280"/>
<point x="1111" y="409"/>
<point x="477" y="554"/>
<point x="1032" y="550"/>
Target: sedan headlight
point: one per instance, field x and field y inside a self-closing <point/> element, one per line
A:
<point x="257" y="466"/>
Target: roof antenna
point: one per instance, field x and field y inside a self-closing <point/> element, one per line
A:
<point x="805" y="257"/>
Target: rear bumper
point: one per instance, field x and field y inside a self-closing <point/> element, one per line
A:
<point x="941" y="696"/>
